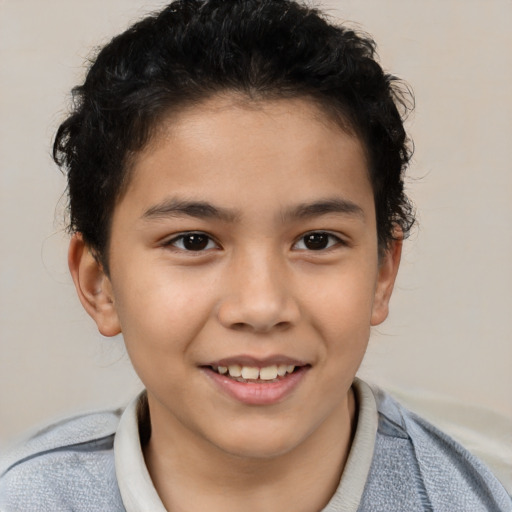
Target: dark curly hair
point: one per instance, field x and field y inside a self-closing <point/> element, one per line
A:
<point x="262" y="49"/>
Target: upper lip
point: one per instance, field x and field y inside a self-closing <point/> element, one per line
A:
<point x="257" y="362"/>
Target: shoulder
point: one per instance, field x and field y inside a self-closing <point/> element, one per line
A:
<point x="412" y="454"/>
<point x="66" y="466"/>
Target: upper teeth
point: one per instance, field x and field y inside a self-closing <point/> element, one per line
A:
<point x="253" y="372"/>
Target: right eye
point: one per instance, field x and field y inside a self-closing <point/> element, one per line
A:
<point x="192" y="242"/>
<point x="317" y="241"/>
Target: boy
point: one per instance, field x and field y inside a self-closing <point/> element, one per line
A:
<point x="235" y="175"/>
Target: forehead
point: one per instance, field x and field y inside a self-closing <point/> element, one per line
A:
<point x="230" y="149"/>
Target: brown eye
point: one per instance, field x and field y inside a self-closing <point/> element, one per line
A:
<point x="193" y="242"/>
<point x="317" y="241"/>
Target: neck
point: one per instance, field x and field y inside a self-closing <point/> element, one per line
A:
<point x="193" y="474"/>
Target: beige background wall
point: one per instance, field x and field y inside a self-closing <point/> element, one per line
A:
<point x="447" y="347"/>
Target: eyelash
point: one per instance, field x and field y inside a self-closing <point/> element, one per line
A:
<point x="332" y="241"/>
<point x="210" y="243"/>
<point x="183" y="236"/>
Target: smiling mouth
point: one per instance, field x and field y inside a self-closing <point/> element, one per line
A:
<point x="257" y="382"/>
<point x="271" y="373"/>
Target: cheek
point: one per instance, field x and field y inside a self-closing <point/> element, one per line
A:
<point x="343" y="300"/>
<point x="160" y="311"/>
<point x="341" y="311"/>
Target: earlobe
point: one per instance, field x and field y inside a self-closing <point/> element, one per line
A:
<point x="93" y="286"/>
<point x="388" y="269"/>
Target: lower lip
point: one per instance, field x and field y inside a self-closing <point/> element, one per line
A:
<point x="256" y="393"/>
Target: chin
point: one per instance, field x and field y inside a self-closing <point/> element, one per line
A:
<point x="259" y="452"/>
<point x="258" y="443"/>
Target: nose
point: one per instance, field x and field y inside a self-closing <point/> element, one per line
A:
<point x="258" y="297"/>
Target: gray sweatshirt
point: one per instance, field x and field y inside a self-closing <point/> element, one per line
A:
<point x="398" y="463"/>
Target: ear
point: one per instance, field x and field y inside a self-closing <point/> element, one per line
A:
<point x="388" y="268"/>
<point x="93" y="286"/>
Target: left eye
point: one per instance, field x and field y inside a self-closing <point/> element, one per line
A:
<point x="192" y="242"/>
<point x="316" y="241"/>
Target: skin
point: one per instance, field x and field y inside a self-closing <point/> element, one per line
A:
<point x="256" y="289"/>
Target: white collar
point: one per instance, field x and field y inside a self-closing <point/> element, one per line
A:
<point x="139" y="494"/>
<point x="355" y="473"/>
<point x="137" y="490"/>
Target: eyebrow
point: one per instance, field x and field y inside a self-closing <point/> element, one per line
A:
<point x="173" y="207"/>
<point x="324" y="207"/>
<point x="199" y="209"/>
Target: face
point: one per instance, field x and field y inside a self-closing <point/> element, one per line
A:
<point x="244" y="274"/>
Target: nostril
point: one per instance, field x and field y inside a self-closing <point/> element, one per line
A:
<point x="239" y="326"/>
<point x="243" y="326"/>
<point x="257" y="314"/>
